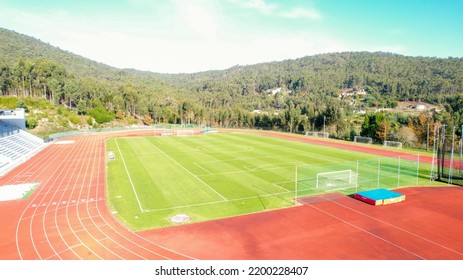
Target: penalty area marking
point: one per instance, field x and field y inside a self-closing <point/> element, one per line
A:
<point x="189" y="172"/>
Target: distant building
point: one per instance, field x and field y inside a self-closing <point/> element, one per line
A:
<point x="274" y="91"/>
<point x="349" y="92"/>
<point x="360" y="112"/>
<point x="15" y="118"/>
<point x="420" y="107"/>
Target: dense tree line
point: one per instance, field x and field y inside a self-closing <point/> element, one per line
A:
<point x="292" y="95"/>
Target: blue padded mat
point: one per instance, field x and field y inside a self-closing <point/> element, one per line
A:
<point x="379" y="194"/>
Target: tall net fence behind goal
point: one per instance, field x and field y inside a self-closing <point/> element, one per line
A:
<point x="448" y="155"/>
<point x="353" y="176"/>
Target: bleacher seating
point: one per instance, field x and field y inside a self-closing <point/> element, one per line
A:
<point x="16" y="146"/>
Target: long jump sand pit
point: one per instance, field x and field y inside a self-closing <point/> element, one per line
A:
<point x="13" y="192"/>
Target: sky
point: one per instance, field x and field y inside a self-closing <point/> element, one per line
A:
<point x="186" y="36"/>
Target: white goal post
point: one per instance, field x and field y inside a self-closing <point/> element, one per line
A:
<point x="393" y="144"/>
<point x="362" y="139"/>
<point x="337" y="180"/>
<point x="317" y="134"/>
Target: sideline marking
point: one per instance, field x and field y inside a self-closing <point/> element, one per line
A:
<point x="130" y="178"/>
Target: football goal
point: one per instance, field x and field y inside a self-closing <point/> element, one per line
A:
<point x="362" y="139"/>
<point x="336" y="180"/>
<point x="393" y="144"/>
<point x="317" y="134"/>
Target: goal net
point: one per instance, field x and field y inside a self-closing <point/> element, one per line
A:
<point x="393" y="144"/>
<point x="362" y="139"/>
<point x="317" y="134"/>
<point x="336" y="180"/>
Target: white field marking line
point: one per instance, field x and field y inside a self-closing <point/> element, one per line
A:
<point x="189" y="172"/>
<point x="264" y="166"/>
<point x="57" y="254"/>
<point x="37" y="164"/>
<point x="247" y="171"/>
<point x="277" y="184"/>
<point x="130" y="178"/>
<point x="23" y="218"/>
<point x="338" y="189"/>
<point x="127" y="233"/>
<point x="366" y="231"/>
<point x="302" y="150"/>
<point x="91" y="160"/>
<point x="396" y="227"/>
<point x="217" y="202"/>
<point x="244" y="158"/>
<point x="83" y="161"/>
<point x="99" y="160"/>
<point x="210" y="173"/>
<point x="48" y="191"/>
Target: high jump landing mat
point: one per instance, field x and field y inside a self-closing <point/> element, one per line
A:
<point x="380" y="197"/>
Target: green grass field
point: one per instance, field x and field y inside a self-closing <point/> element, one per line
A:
<point x="218" y="175"/>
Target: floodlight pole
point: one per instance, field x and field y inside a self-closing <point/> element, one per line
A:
<point x="427" y="138"/>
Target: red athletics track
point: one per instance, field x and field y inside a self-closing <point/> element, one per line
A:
<point x="67" y="218"/>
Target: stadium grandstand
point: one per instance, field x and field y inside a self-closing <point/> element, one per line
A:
<point x="16" y="144"/>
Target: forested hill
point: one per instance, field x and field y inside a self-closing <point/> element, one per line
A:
<point x="15" y="46"/>
<point x="381" y="74"/>
<point x="292" y="95"/>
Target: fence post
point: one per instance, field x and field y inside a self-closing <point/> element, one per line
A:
<point x="295" y="187"/>
<point x="379" y="172"/>
<point x="417" y="169"/>
<point x="398" y="175"/>
<point x="357" y="185"/>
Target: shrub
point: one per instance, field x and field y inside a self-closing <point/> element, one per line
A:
<point x="74" y="119"/>
<point x="101" y="115"/>
<point x="31" y="123"/>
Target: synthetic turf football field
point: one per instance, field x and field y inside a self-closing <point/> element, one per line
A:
<point x="212" y="176"/>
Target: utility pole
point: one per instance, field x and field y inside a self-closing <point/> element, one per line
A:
<point x="324" y="125"/>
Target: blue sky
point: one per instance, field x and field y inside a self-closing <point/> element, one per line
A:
<point x="173" y="36"/>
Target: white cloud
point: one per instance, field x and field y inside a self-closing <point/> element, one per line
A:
<point x="312" y="14"/>
<point x="194" y="41"/>
<point x="259" y="5"/>
<point x="199" y="17"/>
<point x="275" y="10"/>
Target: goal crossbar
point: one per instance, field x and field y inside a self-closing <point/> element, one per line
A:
<point x="317" y="134"/>
<point x="393" y="144"/>
<point x="336" y="180"/>
<point x="362" y="139"/>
